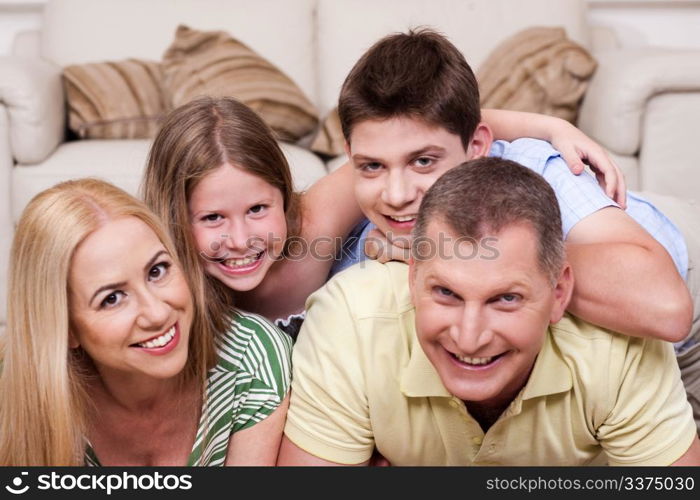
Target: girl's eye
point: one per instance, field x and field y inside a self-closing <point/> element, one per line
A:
<point x="112" y="299"/>
<point x="424" y="162"/>
<point x="256" y="209"/>
<point x="158" y="271"/>
<point x="371" y="167"/>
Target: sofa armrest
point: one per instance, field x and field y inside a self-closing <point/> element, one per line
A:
<point x="32" y="92"/>
<point x="626" y="79"/>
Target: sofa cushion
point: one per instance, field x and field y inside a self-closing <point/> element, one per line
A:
<point x="114" y="100"/>
<point x="122" y="162"/>
<point x="215" y="64"/>
<point x="538" y="70"/>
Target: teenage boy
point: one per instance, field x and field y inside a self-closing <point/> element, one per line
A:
<point x="409" y="110"/>
<point x="467" y="358"/>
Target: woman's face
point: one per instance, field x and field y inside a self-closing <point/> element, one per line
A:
<point x="130" y="306"/>
<point x="239" y="224"/>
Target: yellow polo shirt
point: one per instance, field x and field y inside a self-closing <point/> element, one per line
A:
<point x="361" y="379"/>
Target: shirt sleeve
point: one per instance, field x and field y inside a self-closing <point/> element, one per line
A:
<point x="650" y="421"/>
<point x="328" y="412"/>
<point x="578" y="195"/>
<point x="265" y="377"/>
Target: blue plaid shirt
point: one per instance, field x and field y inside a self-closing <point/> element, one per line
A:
<point x="579" y="196"/>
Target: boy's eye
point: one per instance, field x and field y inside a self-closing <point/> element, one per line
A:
<point x="424" y="161"/>
<point x="112" y="299"/>
<point x="158" y="271"/>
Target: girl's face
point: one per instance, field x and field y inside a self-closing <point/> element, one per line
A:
<point x="239" y="224"/>
<point x="130" y="306"/>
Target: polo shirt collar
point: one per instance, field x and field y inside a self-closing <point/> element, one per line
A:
<point x="419" y="378"/>
<point x="550" y="375"/>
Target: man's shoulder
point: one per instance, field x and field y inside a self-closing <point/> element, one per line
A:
<point x="372" y="289"/>
<point x="532" y="153"/>
<point x="595" y="353"/>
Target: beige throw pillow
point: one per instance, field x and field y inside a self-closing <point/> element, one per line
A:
<point x="215" y="64"/>
<point x="538" y="70"/>
<point x="329" y="140"/>
<point x="114" y="100"/>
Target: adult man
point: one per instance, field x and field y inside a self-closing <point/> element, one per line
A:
<point x="468" y="359"/>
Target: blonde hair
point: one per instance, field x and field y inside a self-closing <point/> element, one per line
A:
<point x="43" y="396"/>
<point x="194" y="140"/>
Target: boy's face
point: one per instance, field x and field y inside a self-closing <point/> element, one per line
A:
<point x="396" y="161"/>
<point x="482" y="311"/>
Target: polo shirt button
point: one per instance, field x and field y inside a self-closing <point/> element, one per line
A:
<point x="477" y="440"/>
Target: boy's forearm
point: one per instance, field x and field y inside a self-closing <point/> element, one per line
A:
<point x="629" y="289"/>
<point x="512" y="125"/>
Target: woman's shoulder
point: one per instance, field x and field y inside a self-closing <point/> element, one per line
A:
<point x="251" y="342"/>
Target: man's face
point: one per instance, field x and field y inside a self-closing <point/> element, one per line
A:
<point x="396" y="161"/>
<point x="482" y="311"/>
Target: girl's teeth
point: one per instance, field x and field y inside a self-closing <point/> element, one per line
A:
<point x="159" y="341"/>
<point x="241" y="262"/>
<point x="402" y="218"/>
<point x="474" y="361"/>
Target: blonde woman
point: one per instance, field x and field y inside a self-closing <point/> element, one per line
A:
<point x="107" y="360"/>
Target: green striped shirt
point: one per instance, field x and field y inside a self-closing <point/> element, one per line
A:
<point x="248" y="382"/>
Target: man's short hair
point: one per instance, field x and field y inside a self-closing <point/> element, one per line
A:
<point x="483" y="196"/>
<point x="419" y="74"/>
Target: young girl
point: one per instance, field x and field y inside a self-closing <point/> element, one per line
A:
<point x="108" y="361"/>
<point x="220" y="182"/>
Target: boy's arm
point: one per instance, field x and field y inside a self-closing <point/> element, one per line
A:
<point x="625" y="280"/>
<point x="575" y="146"/>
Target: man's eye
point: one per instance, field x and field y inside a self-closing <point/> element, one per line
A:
<point x="509" y="298"/>
<point x="443" y="292"/>
<point x="158" y="271"/>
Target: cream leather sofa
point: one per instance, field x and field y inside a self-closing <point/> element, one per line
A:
<point x="641" y="105"/>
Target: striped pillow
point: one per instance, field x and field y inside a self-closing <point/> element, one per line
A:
<point x="114" y="100"/>
<point x="213" y="63"/>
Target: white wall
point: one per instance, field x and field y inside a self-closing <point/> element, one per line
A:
<point x="16" y="16"/>
<point x="669" y="23"/>
<point x="642" y="23"/>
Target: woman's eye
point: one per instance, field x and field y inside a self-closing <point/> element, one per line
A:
<point x="211" y="217"/>
<point x="158" y="271"/>
<point x="111" y="300"/>
<point x="424" y="161"/>
<point x="256" y="209"/>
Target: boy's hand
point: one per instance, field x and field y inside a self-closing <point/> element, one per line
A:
<point x="577" y="149"/>
<point x="378" y="247"/>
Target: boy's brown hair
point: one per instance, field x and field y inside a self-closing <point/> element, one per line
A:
<point x="419" y="74"/>
<point x="483" y="196"/>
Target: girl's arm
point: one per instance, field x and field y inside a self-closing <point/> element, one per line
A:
<point x="576" y="148"/>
